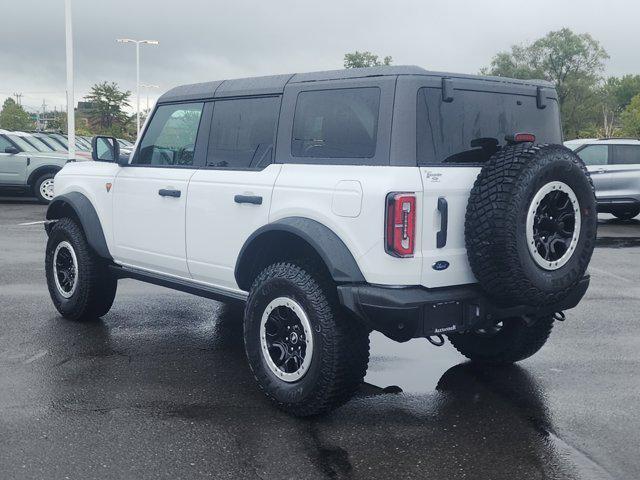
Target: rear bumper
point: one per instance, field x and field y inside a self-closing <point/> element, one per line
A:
<point x="413" y="312"/>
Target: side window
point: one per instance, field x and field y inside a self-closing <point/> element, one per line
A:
<point x="341" y="123"/>
<point x="595" y="155"/>
<point x="170" y="138"/>
<point x="626" y="154"/>
<point x="4" y="143"/>
<point x="243" y="132"/>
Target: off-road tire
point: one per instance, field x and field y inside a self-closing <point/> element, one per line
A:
<point x="496" y="217"/>
<point x="38" y="183"/>
<point x="340" y="343"/>
<point x="627" y="214"/>
<point x="96" y="286"/>
<point x="515" y="341"/>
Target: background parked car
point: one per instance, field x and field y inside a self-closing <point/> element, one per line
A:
<point x="54" y="144"/>
<point x="24" y="168"/>
<point x="82" y="150"/>
<point x="34" y="141"/>
<point x="614" y="164"/>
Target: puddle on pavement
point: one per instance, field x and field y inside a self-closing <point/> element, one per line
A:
<point x="415" y="366"/>
<point x="618" y="242"/>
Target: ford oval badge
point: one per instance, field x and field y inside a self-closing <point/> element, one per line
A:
<point x="440" y="265"/>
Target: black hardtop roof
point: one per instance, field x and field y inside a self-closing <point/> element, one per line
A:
<point x="274" y="84"/>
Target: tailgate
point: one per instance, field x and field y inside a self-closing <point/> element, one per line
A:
<point x="445" y="195"/>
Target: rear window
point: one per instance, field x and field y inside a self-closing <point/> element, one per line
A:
<point x="341" y="123"/>
<point x="474" y="125"/>
<point x="625" y="154"/>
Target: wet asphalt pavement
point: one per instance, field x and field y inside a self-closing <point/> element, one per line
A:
<point x="160" y="389"/>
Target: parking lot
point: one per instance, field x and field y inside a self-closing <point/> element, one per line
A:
<point x="160" y="389"/>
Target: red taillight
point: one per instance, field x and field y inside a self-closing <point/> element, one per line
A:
<point x="521" y="138"/>
<point x="401" y="224"/>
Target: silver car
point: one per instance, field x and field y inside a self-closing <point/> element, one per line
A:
<point x="614" y="164"/>
<point x="23" y="167"/>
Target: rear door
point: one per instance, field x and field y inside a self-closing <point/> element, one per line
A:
<point x="456" y="133"/>
<point x="229" y="198"/>
<point x="150" y="194"/>
<point x="623" y="175"/>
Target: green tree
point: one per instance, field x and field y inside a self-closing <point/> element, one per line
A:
<point x="14" y="117"/>
<point x="107" y="115"/>
<point x="572" y="62"/>
<point x="623" y="89"/>
<point x="58" y="122"/>
<point x="631" y="118"/>
<point x="615" y="95"/>
<point x="364" y="59"/>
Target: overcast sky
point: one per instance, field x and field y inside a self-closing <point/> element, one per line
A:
<point x="203" y="40"/>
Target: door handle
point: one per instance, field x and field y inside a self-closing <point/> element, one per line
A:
<point x="441" y="236"/>
<point x="167" y="192"/>
<point x="253" y="199"/>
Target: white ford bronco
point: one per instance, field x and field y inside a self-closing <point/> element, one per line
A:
<point x="413" y="203"/>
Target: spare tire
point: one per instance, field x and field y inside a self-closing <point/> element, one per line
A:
<point x="531" y="224"/>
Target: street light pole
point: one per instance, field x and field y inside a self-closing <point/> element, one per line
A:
<point x="138" y="43"/>
<point x="148" y="86"/>
<point x="137" y="89"/>
<point x="71" y="120"/>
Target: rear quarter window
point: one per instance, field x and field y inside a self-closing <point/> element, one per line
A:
<point x="474" y="125"/>
<point x="339" y="123"/>
<point x="625" y="154"/>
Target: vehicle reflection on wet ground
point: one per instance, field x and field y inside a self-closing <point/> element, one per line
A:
<point x="160" y="388"/>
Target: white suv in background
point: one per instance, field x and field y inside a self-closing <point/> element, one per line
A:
<point x="336" y="203"/>
<point x="614" y="165"/>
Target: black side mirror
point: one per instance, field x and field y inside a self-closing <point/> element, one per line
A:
<point x="105" y="149"/>
<point x="11" y="149"/>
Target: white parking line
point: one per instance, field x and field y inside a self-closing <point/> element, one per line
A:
<point x="37" y="356"/>
<point x="39" y="222"/>
<point x="609" y="274"/>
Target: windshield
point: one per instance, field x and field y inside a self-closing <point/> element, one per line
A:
<point x="81" y="143"/>
<point x="51" y="142"/>
<point x="60" y="139"/>
<point x="24" y="146"/>
<point x="37" y="143"/>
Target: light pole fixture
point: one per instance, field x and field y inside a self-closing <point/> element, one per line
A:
<point x="138" y="43"/>
<point x="148" y="86"/>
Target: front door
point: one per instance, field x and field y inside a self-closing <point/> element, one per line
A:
<point x="13" y="166"/>
<point x="596" y="158"/>
<point x="230" y="197"/>
<point x="150" y="194"/>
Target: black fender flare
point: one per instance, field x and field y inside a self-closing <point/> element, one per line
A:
<point x="33" y="176"/>
<point x="334" y="253"/>
<point x="83" y="209"/>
